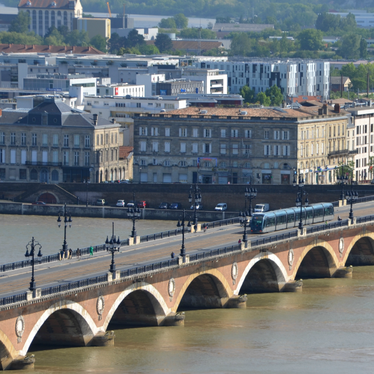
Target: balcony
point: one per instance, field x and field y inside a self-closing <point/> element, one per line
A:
<point x="41" y="163"/>
<point x="343" y="152"/>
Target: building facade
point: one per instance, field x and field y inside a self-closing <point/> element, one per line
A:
<point x="53" y="143"/>
<point x="45" y="14"/>
<point x="226" y="145"/>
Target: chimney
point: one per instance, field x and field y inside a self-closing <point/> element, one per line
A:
<point x="337" y="108"/>
<point x="324" y="109"/>
<point x="95" y="119"/>
<point x="113" y="120"/>
<point x="319" y="111"/>
<point x="283" y="104"/>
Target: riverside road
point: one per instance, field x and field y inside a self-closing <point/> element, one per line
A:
<point x="51" y="274"/>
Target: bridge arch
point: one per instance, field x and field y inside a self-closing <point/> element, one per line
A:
<point x="63" y="323"/>
<point x="316" y="261"/>
<point x="360" y="250"/>
<point x="140" y="304"/>
<point x="7" y="351"/>
<point x="267" y="274"/>
<point x="206" y="289"/>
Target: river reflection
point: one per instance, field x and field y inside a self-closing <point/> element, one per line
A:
<point x="326" y="328"/>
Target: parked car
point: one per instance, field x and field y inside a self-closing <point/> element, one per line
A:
<point x="164" y="206"/>
<point x="121" y="203"/>
<point x="126" y="181"/>
<point x="141" y="204"/>
<point x="175" y="206"/>
<point x="198" y="207"/>
<point x="131" y="204"/>
<point x="100" y="202"/>
<point x="221" y="206"/>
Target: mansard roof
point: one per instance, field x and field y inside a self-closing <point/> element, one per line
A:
<point x="47" y="4"/>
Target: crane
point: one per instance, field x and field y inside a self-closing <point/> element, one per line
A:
<point x="110" y="13"/>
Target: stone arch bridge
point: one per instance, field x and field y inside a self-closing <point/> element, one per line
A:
<point x="155" y="295"/>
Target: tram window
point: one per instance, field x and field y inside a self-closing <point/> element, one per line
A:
<point x="318" y="212"/>
<point x="328" y="211"/>
<point x="297" y="216"/>
<point x="290" y="217"/>
<point x="309" y="213"/>
<point x="270" y="221"/>
<point x="281" y="219"/>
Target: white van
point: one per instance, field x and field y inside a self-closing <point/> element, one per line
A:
<point x="221" y="206"/>
<point x="261" y="208"/>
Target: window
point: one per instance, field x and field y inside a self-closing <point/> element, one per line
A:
<point x="143" y="146"/>
<point x="12" y="156"/>
<point x="143" y="162"/>
<point x="195" y="148"/>
<point x="195" y="133"/>
<point x="23" y="156"/>
<point x="45" y="140"/>
<point x="276" y="134"/>
<point x="76" y="158"/>
<point x="65" y="158"/>
<point x="34" y="139"/>
<point x="167" y="131"/>
<point x="207" y="148"/>
<point x="154" y="146"/>
<point x="34" y="157"/>
<point x="266" y="134"/>
<point x="248" y="134"/>
<point x="235" y="149"/>
<point x="285" y="135"/>
<point x="12" y="138"/>
<point x="183" y="132"/>
<point x="143" y="131"/>
<point x="101" y="139"/>
<point x="247" y="149"/>
<point x="66" y="140"/>
<point x="207" y="133"/>
<point x="45" y="157"/>
<point x="55" y="175"/>
<point x="222" y="148"/>
<point x="276" y="150"/>
<point x="166" y="163"/>
<point x="2" y="137"/>
<point x="33" y="175"/>
<point x="22" y="174"/>
<point x="234" y="133"/>
<point x="55" y="157"/>
<point x="286" y="150"/>
<point x="183" y="147"/>
<point x="154" y="131"/>
<point x="87" y="141"/>
<point x="266" y="150"/>
<point x="167" y="147"/>
<point x="23" y="138"/>
<point x="223" y="133"/>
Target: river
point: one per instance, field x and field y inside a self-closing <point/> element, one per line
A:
<point x="326" y="328"/>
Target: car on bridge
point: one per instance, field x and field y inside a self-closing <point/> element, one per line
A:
<point x="164" y="206"/>
<point x="175" y="206"/>
<point x="221" y="206"/>
<point x="121" y="203"/>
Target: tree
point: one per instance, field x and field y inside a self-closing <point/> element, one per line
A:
<point x="181" y="21"/>
<point x="167" y="23"/>
<point x="163" y="43"/>
<point x="134" y="39"/>
<point x="99" y="43"/>
<point x="248" y="94"/>
<point x="77" y="37"/>
<point x="275" y="95"/>
<point x="326" y="22"/>
<point x="363" y="48"/>
<point x="263" y="99"/>
<point x="149" y="49"/>
<point x="241" y="44"/>
<point x="115" y="43"/>
<point x="310" y="39"/>
<point x="20" y="23"/>
<point x="350" y="46"/>
<point x="54" y="37"/>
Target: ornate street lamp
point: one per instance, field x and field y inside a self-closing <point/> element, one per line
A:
<point x="250" y="194"/>
<point x="181" y="223"/>
<point x="351" y="197"/>
<point x="32" y="246"/>
<point x="244" y="220"/>
<point x="343" y="179"/>
<point x="299" y="198"/>
<point x="195" y="197"/>
<point x="67" y="221"/>
<point x="113" y="245"/>
<point x="133" y="213"/>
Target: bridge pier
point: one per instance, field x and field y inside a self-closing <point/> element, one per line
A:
<point x="20" y="363"/>
<point x="295" y="286"/>
<point x="174" y="319"/>
<point x="237" y="301"/>
<point x="343" y="272"/>
<point x="103" y="339"/>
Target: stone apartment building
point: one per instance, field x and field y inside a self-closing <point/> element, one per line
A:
<point x="54" y="143"/>
<point x="234" y="145"/>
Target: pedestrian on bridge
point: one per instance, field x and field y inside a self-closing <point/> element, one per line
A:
<point x="172" y="255"/>
<point x="91" y="251"/>
<point x="78" y="253"/>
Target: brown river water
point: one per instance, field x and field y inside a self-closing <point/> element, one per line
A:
<point x="326" y="328"/>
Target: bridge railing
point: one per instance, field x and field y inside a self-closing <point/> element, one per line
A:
<point x="273" y="238"/>
<point x="327" y="226"/>
<point x="365" y="219"/>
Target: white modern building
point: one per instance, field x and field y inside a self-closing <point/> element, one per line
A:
<point x="121" y="89"/>
<point x="296" y="78"/>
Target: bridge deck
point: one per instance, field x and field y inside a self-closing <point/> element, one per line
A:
<point x="51" y="274"/>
